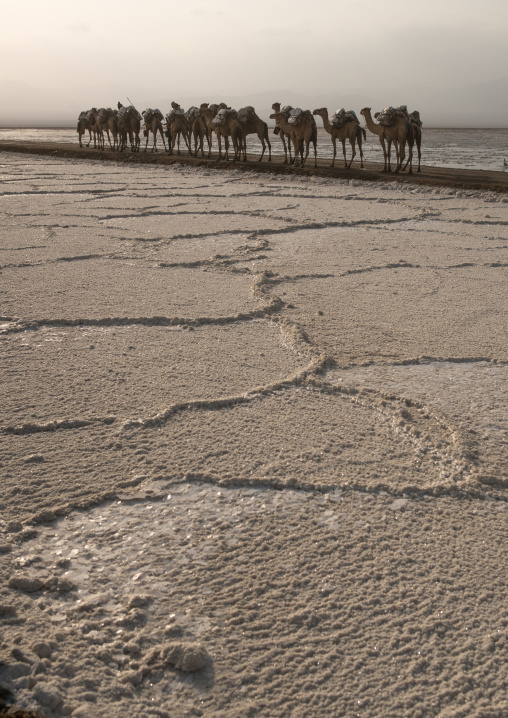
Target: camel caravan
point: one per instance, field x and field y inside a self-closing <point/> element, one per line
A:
<point x="295" y="127"/>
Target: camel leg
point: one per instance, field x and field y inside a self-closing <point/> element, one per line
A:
<point x="307" y="147"/>
<point x="353" y="151"/>
<point x="269" y="145"/>
<point x="410" y="158"/>
<point x="334" y="143"/>
<point x="314" y="142"/>
<point x="419" y="150"/>
<point x="389" y="154"/>
<point x="400" y="149"/>
<point x="360" y="141"/>
<point x="297" y="154"/>
<point x="263" y="145"/>
<point x="407" y="161"/>
<point x="285" y="148"/>
<point x="344" y="152"/>
<point x="147" y="137"/>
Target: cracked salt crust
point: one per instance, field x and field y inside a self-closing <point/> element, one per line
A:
<point x="253" y="445"/>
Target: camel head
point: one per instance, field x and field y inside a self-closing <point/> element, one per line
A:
<point x="321" y="111"/>
<point x="275" y="116"/>
<point x="203" y="106"/>
<point x="364" y="111"/>
<point x="276" y="106"/>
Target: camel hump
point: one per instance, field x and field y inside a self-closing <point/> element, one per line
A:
<point x="247" y="113"/>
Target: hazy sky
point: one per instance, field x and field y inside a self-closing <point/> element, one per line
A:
<point x="73" y="50"/>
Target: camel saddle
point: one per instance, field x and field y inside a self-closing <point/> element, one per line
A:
<point x="192" y="113"/>
<point x="174" y="112"/>
<point x="130" y="110"/>
<point x="149" y="114"/>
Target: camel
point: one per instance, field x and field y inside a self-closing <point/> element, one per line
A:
<point x="129" y="125"/>
<point x="226" y="125"/>
<point x="107" y="120"/>
<point x="92" y="126"/>
<point x="83" y="126"/>
<point x="302" y="133"/>
<point x="397" y="133"/>
<point x="199" y="131"/>
<point x="177" y="125"/>
<point x="153" y="124"/>
<point x="351" y="131"/>
<point x="208" y="113"/>
<point x="283" y="135"/>
<point x="251" y="124"/>
<point x="415" y="138"/>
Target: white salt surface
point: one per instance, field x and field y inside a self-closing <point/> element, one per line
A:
<point x="253" y="444"/>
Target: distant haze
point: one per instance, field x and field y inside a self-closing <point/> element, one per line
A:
<point x="446" y="58"/>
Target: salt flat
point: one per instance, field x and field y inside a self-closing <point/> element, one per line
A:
<point x="253" y="444"/>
